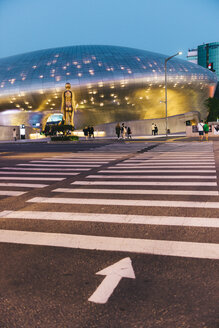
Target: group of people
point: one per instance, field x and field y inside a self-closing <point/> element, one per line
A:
<point x="154" y="129"/>
<point x="88" y="132"/>
<point x="203" y="128"/>
<point x="123" y="131"/>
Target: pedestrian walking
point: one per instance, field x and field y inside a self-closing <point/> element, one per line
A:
<point x="85" y="130"/>
<point x="153" y="129"/>
<point x="92" y="131"/>
<point x="118" y="130"/>
<point x="89" y="131"/>
<point x="15" y="134"/>
<point x="206" y="130"/>
<point x="200" y="130"/>
<point x="123" y="130"/>
<point x="129" y="132"/>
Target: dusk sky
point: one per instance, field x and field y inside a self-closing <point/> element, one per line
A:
<point x="155" y="25"/>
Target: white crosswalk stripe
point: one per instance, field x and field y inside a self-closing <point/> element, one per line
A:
<point x="138" y="192"/>
<point x="175" y="161"/>
<point x="61" y="163"/>
<point x="151" y="176"/>
<point x="44" y="169"/>
<point x="112" y="218"/>
<point x="31" y="178"/>
<point x="73" y="160"/>
<point x="115" y="170"/>
<point x="39" y="173"/>
<point x="11" y="193"/>
<point x="149" y="166"/>
<point x="23" y="185"/>
<point x="144" y="183"/>
<point x="124" y="202"/>
<point x="133" y="245"/>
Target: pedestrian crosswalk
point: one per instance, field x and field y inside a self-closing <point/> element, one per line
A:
<point x="183" y="194"/>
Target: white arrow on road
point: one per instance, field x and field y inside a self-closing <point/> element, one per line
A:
<point x="114" y="273"/>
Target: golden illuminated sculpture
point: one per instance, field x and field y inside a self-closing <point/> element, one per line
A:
<point x="68" y="105"/>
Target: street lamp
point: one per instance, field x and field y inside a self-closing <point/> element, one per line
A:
<point x="165" y="66"/>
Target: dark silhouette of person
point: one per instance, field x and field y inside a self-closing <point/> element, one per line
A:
<point x="85" y="130"/>
<point x="118" y="130"/>
<point x="91" y="132"/>
<point x="14" y="134"/>
<point x="129" y="132"/>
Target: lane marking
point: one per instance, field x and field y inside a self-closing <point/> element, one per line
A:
<point x="43" y="169"/>
<point x="140" y="170"/>
<point x="145" y="183"/>
<point x="11" y="193"/>
<point x="114" y="273"/>
<point x="151" y="176"/>
<point x="40" y="173"/>
<point x="25" y="185"/>
<point x="87" y="167"/>
<point x="32" y="178"/>
<point x="112" y="218"/>
<point x="124" y="202"/>
<point x="132" y="245"/>
<point x="138" y="192"/>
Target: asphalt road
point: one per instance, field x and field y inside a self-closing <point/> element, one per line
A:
<point x="147" y="212"/>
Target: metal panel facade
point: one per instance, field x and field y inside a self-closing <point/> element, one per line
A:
<point x="110" y="83"/>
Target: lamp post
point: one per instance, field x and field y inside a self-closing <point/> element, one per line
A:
<point x="165" y="67"/>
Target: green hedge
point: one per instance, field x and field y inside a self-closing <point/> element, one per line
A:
<point x="64" y="138"/>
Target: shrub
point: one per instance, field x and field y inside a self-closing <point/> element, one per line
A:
<point x="53" y="129"/>
<point x="64" y="138"/>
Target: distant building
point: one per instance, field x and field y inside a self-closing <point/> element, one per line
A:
<point x="192" y="56"/>
<point x="111" y="84"/>
<point x="208" y="56"/>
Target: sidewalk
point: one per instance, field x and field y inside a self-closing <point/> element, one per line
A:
<point x="136" y="138"/>
<point x="178" y="137"/>
<point x="24" y="141"/>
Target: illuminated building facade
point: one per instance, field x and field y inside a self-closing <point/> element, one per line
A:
<point x="111" y="83"/>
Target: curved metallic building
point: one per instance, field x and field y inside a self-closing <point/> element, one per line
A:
<point x="110" y="83"/>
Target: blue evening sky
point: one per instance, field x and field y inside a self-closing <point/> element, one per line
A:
<point x="163" y="26"/>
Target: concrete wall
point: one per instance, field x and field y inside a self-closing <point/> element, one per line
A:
<point x="176" y="124"/>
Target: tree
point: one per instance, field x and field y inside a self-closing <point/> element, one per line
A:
<point x="212" y="105"/>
